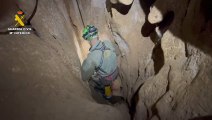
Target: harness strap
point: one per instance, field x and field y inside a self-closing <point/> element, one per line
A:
<point x="103" y="48"/>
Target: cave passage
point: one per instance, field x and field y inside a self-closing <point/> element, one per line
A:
<point x="163" y="47"/>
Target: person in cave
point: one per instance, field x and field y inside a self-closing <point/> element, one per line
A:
<point x="100" y="67"/>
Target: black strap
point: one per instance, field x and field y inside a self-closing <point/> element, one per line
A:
<point x="103" y="48"/>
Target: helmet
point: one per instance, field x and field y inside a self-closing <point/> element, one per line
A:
<point x="90" y="32"/>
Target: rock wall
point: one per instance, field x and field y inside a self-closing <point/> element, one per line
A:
<point x="164" y="52"/>
<point x="40" y="73"/>
<point x="182" y="92"/>
<point x="126" y="29"/>
<point x="165" y="64"/>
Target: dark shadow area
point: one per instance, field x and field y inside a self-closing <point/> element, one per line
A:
<point x="158" y="57"/>
<point x="207" y="12"/>
<point x="202" y="118"/>
<point x="146" y="4"/>
<point x="157" y="53"/>
<point x="133" y="103"/>
<point x="168" y="19"/>
<point x="203" y="38"/>
<point x="162" y="27"/>
<point x="206" y="6"/>
<point x="7" y="9"/>
<point x="148" y="30"/>
<point x="97" y="92"/>
<point x="195" y="26"/>
<point x="147" y="27"/>
<point x="121" y="8"/>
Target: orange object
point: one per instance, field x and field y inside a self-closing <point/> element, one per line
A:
<point x="20" y="12"/>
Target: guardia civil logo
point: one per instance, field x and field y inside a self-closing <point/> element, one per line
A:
<point x="19" y="18"/>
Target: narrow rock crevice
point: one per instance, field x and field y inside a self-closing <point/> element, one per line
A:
<point x="164" y="59"/>
<point x="133" y="103"/>
<point x="154" y="109"/>
<point x="80" y="12"/>
<point x="158" y="58"/>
